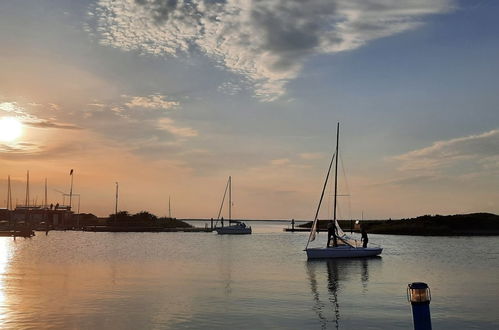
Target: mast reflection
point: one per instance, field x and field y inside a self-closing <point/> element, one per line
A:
<point x="326" y="278"/>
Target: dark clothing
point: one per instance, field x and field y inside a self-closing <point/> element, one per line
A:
<point x="332" y="231"/>
<point x="364" y="238"/>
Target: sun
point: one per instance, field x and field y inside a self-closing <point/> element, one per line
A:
<point x="10" y="129"/>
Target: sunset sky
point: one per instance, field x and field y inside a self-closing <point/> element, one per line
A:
<point x="170" y="97"/>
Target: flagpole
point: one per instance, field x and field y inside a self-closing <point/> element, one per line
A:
<point x="71" y="190"/>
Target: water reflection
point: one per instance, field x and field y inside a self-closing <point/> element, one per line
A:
<point x="364" y="275"/>
<point x="225" y="262"/>
<point x="326" y="303"/>
<point x="5" y="255"/>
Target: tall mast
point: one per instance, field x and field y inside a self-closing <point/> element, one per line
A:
<point x="169" y="208"/>
<point x="45" y="204"/>
<point x="116" y="204"/>
<point x="230" y="198"/>
<point x="336" y="170"/>
<point x="71" y="190"/>
<point x="27" y="189"/>
<point x="9" y="194"/>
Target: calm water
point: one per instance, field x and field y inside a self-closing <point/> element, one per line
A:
<point x="200" y="280"/>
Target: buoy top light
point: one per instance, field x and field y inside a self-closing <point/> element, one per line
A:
<point x="418" y="292"/>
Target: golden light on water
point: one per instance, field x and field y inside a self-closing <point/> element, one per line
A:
<point x="5" y="253"/>
<point x="10" y="129"/>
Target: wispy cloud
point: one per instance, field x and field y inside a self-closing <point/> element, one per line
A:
<point x="311" y="155"/>
<point x="29" y="119"/>
<point x="140" y="123"/>
<point x="167" y="124"/>
<point x="154" y="101"/>
<point x="280" y="161"/>
<point x="267" y="41"/>
<point x="12" y="108"/>
<point x="404" y="181"/>
<point x="481" y="149"/>
<point x="49" y="124"/>
<point x="28" y="151"/>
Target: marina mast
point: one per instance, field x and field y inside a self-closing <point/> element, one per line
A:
<point x="26" y="203"/>
<point x="336" y="170"/>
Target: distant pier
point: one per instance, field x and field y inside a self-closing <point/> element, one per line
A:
<point x="120" y="229"/>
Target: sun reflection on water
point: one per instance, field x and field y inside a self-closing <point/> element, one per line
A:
<point x="5" y="256"/>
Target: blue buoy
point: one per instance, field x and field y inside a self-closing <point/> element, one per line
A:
<point x="418" y="293"/>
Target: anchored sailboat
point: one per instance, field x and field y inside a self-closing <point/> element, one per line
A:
<point x="235" y="227"/>
<point x="347" y="247"/>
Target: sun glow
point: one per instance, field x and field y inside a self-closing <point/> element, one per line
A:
<point x="10" y="129"/>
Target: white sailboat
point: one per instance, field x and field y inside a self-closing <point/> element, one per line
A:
<point x="347" y="246"/>
<point x="235" y="227"/>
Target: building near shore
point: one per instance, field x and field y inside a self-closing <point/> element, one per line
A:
<point x="36" y="216"/>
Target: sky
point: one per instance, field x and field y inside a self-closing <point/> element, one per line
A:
<point x="169" y="97"/>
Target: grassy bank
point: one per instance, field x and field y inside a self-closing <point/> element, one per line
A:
<point x="473" y="224"/>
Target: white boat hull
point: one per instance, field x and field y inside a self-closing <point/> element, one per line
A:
<point x="233" y="230"/>
<point x="342" y="252"/>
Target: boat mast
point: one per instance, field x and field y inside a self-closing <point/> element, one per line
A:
<point x="230" y="198"/>
<point x="223" y="201"/>
<point x="71" y="191"/>
<point x="336" y="171"/>
<point x="9" y="195"/>
<point x="27" y="189"/>
<point x="116" y="203"/>
<point x="169" y="208"/>
<point x="45" y="201"/>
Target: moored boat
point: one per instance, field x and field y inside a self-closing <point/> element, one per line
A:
<point x="235" y="227"/>
<point x="346" y="246"/>
<point x="238" y="228"/>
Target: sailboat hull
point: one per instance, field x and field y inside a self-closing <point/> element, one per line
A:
<point x="342" y="252"/>
<point x="233" y="230"/>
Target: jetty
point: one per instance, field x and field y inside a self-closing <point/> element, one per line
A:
<point x="136" y="229"/>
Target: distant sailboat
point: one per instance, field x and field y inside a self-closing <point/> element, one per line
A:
<point x="347" y="247"/>
<point x="235" y="227"/>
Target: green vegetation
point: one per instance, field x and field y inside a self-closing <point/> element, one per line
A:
<point x="322" y="224"/>
<point x="428" y="225"/>
<point x="439" y="225"/>
<point x="144" y="219"/>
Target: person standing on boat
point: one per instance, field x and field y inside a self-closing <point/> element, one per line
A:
<point x="364" y="239"/>
<point x="331" y="232"/>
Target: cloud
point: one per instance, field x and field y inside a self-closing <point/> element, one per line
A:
<point x="139" y="122"/>
<point x="33" y="120"/>
<point x="48" y="124"/>
<point x="265" y="41"/>
<point x="311" y="155"/>
<point x="480" y="149"/>
<point x="404" y="181"/>
<point x="280" y="161"/>
<point x="167" y="124"/>
<point x="12" y="107"/>
<point x="27" y="151"/>
<point x="230" y="88"/>
<point x="154" y="101"/>
<point x="19" y="148"/>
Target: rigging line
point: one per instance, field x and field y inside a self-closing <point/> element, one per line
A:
<point x="320" y="200"/>
<point x="222" y="204"/>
